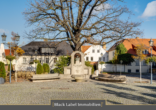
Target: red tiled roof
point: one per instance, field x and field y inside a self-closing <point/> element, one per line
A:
<point x="7" y="52"/>
<point x="84" y="48"/>
<point x="131" y="43"/>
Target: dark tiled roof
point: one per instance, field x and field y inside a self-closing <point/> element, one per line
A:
<point x="62" y="48"/>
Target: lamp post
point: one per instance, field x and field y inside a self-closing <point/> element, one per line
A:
<point x="151" y="44"/>
<point x="120" y="67"/>
<point x="17" y="37"/>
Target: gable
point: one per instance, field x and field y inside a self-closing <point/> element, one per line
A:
<point x="84" y="48"/>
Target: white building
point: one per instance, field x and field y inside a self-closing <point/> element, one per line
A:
<point x="95" y="53"/>
<point x="2" y="53"/>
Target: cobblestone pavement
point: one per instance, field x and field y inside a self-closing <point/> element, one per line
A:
<point x="29" y="93"/>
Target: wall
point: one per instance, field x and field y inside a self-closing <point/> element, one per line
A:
<point x="20" y="66"/>
<point x="119" y="67"/>
<point x="1" y="52"/>
<point x="95" y="55"/>
<point x="110" y="55"/>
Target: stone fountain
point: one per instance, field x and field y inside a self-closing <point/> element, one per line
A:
<point x="77" y="69"/>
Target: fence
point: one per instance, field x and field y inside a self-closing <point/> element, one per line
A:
<point x="123" y="68"/>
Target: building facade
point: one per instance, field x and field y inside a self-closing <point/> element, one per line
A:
<point x="95" y="53"/>
<point x="45" y="52"/>
<point x="130" y="45"/>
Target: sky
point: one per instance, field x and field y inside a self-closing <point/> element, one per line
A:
<point x="12" y="19"/>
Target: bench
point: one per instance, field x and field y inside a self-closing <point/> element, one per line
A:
<point x="112" y="78"/>
<point x="44" y="77"/>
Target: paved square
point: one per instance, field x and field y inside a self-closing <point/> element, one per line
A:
<point x="115" y="93"/>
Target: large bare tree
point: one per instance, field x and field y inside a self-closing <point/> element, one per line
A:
<point x="80" y="21"/>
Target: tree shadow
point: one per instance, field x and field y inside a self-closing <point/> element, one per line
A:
<point x="151" y="95"/>
<point x="130" y="96"/>
<point x="115" y="86"/>
<point x="148" y="87"/>
<point x="144" y="76"/>
<point x="113" y="102"/>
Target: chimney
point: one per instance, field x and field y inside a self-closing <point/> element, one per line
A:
<point x="104" y="45"/>
<point x="137" y="38"/>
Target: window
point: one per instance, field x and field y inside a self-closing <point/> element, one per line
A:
<point x="98" y="51"/>
<point x="137" y="71"/>
<point x="129" y="70"/>
<point x="24" y="60"/>
<point x="86" y="58"/>
<point x="145" y="52"/>
<point x="137" y="62"/>
<point x="31" y="59"/>
<point x="91" y="58"/>
<point x="93" y="51"/>
<point x="47" y="50"/>
<point x="103" y="58"/>
<point x="99" y="58"/>
<point x="55" y="60"/>
<point x="113" y="53"/>
<point x="47" y="60"/>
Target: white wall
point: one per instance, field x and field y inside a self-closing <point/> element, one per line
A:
<point x="20" y="66"/>
<point x="119" y="67"/>
<point x="95" y="55"/>
<point x="2" y="51"/>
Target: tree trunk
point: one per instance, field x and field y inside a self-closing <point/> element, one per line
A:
<point x="140" y="71"/>
<point x="77" y="47"/>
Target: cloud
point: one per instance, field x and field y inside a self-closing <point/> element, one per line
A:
<point x="4" y="31"/>
<point x="136" y="7"/>
<point x="150" y="10"/>
<point x="136" y="10"/>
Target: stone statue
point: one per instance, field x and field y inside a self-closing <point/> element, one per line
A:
<point x="77" y="58"/>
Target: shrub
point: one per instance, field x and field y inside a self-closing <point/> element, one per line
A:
<point x="102" y="62"/>
<point x="39" y="69"/>
<point x="2" y="70"/>
<point x="61" y="63"/>
<point x="45" y="68"/>
<point x="87" y="63"/>
<point x="10" y="57"/>
<point x="9" y="67"/>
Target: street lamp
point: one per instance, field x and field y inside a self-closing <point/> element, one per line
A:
<point x="17" y="37"/>
<point x="151" y="44"/>
<point x="120" y="67"/>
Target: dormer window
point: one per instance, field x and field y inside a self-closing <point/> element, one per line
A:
<point x="145" y="52"/>
<point x="47" y="50"/>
